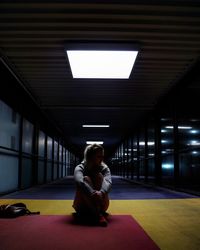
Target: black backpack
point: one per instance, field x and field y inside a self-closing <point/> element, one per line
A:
<point x="15" y="210"/>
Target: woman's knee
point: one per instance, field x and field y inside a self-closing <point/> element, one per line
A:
<point x="88" y="180"/>
<point x="98" y="181"/>
<point x="95" y="181"/>
<point x="100" y="176"/>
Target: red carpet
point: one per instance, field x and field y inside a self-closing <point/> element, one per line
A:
<point x="58" y="232"/>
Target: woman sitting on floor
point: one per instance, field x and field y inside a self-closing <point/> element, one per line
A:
<point x="93" y="181"/>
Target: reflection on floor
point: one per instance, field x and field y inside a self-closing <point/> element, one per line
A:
<point x="121" y="190"/>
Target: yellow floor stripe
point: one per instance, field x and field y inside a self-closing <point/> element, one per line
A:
<point x="174" y="224"/>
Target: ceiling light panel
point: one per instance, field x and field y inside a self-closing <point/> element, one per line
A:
<point x="95" y="126"/>
<point x="101" y="64"/>
<point x="94" y="142"/>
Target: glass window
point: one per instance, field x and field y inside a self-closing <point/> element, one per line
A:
<point x="55" y="169"/>
<point x="125" y="157"/>
<point x="142" y="145"/>
<point x="167" y="150"/>
<point x="49" y="147"/>
<point x="151" y="140"/>
<point x="55" y="151"/>
<point x="64" y="155"/>
<point x="167" y="136"/>
<point x="9" y="127"/>
<point x="151" y="151"/>
<point x="190" y="169"/>
<point x="41" y="172"/>
<point x="27" y="173"/>
<point x="135" y="157"/>
<point x="41" y="162"/>
<point x="189" y="133"/>
<point x="60" y="153"/>
<point x="27" y="141"/>
<point x="168" y="169"/>
<point x="8" y="173"/>
<point x="60" y="162"/>
<point x="142" y="153"/>
<point x="49" y="171"/>
<point x="129" y="154"/>
<point x="64" y="162"/>
<point x="41" y="144"/>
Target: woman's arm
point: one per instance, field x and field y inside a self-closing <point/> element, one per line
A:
<point x="107" y="180"/>
<point x="79" y="179"/>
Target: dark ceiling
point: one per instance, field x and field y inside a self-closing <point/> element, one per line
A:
<point x="33" y="35"/>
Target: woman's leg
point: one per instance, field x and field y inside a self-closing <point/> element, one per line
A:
<point x="84" y="202"/>
<point x="97" y="183"/>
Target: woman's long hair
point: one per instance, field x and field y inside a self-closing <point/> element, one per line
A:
<point x="90" y="151"/>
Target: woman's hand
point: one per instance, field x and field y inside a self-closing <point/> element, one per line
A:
<point x="97" y="196"/>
